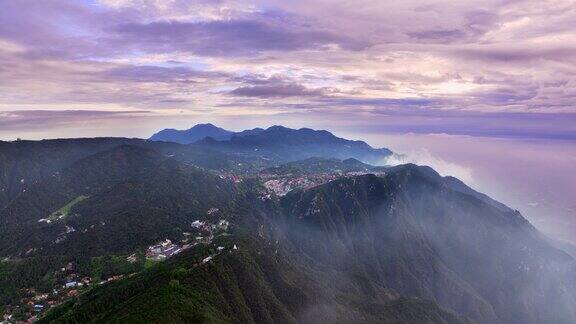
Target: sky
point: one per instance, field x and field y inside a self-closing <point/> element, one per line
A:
<point x="470" y="86"/>
<point x="481" y="68"/>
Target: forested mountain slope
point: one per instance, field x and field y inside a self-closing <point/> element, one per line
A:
<point x="404" y="247"/>
<point x="264" y="280"/>
<point x="122" y="198"/>
<point x="411" y="232"/>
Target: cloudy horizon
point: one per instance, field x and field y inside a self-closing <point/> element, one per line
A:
<point x="487" y="68"/>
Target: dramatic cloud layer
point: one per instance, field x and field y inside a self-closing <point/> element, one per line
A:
<point x="495" y="67"/>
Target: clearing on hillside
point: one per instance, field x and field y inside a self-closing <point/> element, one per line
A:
<point x="65" y="210"/>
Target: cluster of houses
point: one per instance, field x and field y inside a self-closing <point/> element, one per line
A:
<point x="202" y="232"/>
<point x="68" y="284"/>
<point x="230" y="176"/>
<point x="281" y="185"/>
<point x="113" y="278"/>
<point x="202" y="227"/>
<point x="207" y="229"/>
<point x="219" y="250"/>
<point x="163" y="250"/>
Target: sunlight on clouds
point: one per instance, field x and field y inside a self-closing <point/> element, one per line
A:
<point x="183" y="10"/>
<point x="452" y="87"/>
<point x="507" y="30"/>
<point x="10" y="47"/>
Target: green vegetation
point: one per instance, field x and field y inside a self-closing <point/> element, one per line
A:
<point x="34" y="273"/>
<point x="241" y="286"/>
<point x="149" y="263"/>
<point x="65" y="210"/>
<point x="43" y="273"/>
<point x="357" y="249"/>
<point x="100" y="268"/>
<point x="9" y="291"/>
<point x="137" y="197"/>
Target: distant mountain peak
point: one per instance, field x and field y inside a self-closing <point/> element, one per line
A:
<point x="282" y="144"/>
<point x="273" y="127"/>
<point x="193" y="134"/>
<point x="206" y="125"/>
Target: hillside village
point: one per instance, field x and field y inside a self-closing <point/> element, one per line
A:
<point x="283" y="184"/>
<point x="68" y="283"/>
<point x="202" y="232"/>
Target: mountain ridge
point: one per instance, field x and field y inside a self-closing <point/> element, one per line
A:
<point x="357" y="244"/>
<point x="439" y="243"/>
<point x="191" y="135"/>
<point x="284" y="144"/>
<point x="260" y="281"/>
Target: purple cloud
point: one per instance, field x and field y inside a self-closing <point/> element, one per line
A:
<point x="439" y="35"/>
<point x="151" y="73"/>
<point x="274" y="87"/>
<point x="520" y="55"/>
<point x="507" y="95"/>
<point x="17" y="120"/>
<point x="358" y="58"/>
<point x="226" y="38"/>
<point x="276" y="91"/>
<point x="382" y="102"/>
<point x="475" y="24"/>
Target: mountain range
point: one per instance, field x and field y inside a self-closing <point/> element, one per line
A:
<point x="284" y="145"/>
<point x="369" y="243"/>
<point x="277" y="143"/>
<point x="196" y="133"/>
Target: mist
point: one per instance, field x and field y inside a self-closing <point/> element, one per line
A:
<point x="533" y="176"/>
<point x="419" y="241"/>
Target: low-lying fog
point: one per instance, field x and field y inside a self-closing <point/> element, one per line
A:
<point x="537" y="177"/>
